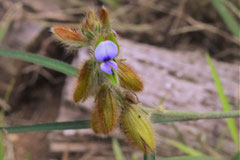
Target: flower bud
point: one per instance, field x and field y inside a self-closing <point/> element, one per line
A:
<point x="84" y="82"/>
<point x="104" y="18"/>
<point x="105" y="116"/>
<point x="68" y="35"/>
<point x="91" y="16"/>
<point x="137" y="129"/>
<point x="128" y="78"/>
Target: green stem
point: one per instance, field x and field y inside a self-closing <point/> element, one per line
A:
<point x="173" y="116"/>
<point x="48" y="126"/>
<point x="157" y="117"/>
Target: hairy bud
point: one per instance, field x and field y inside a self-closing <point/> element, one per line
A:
<point x="84" y="82"/>
<point x="128" y="78"/>
<point x="105" y="115"/>
<point x="137" y="129"/>
<point x="68" y="35"/>
<point x="104" y="18"/>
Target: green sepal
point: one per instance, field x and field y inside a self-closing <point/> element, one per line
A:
<point x="99" y="40"/>
<point x="112" y="38"/>
<point x="113" y="77"/>
<point x="90" y="34"/>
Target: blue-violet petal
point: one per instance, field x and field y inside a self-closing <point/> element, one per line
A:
<point x="106" y="67"/>
<point x="105" y="51"/>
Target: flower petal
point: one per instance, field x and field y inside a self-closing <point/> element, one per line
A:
<point x="105" y="51"/>
<point x="106" y="67"/>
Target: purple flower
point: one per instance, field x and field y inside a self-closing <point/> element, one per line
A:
<point x="107" y="67"/>
<point x="105" y="52"/>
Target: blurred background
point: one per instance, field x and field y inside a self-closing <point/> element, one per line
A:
<point x="164" y="40"/>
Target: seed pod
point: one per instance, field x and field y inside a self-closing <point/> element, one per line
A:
<point x="128" y="78"/>
<point x="68" y="35"/>
<point x="137" y="129"/>
<point x="104" y="119"/>
<point x="104" y="19"/>
<point x="84" y="82"/>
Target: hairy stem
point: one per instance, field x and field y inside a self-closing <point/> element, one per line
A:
<point x="156" y="117"/>
<point x="173" y="116"/>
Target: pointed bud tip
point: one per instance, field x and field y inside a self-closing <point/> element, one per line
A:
<point x="67" y="34"/>
<point x="104" y="18"/>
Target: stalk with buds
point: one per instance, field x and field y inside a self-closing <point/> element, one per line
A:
<point x="113" y="81"/>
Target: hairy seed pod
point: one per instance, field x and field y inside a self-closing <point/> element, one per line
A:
<point x="137" y="129"/>
<point x="105" y="114"/>
<point x="68" y="35"/>
<point x="128" y="78"/>
<point x="84" y="82"/>
<point x="95" y="124"/>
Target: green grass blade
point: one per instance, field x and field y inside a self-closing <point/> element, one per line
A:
<point x="134" y="156"/>
<point x="28" y="156"/>
<point x="230" y="122"/>
<point x="236" y="156"/>
<point x="4" y="28"/>
<point x="48" y="126"/>
<point x="1" y="146"/>
<point x="113" y="3"/>
<point x="229" y="20"/>
<point x="40" y="60"/>
<point x="1" y="135"/>
<point x="232" y="7"/>
<point x="189" y="158"/>
<point x="184" y="148"/>
<point x="117" y="151"/>
<point x="150" y="156"/>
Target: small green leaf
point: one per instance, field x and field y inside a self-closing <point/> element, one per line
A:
<point x="117" y="151"/>
<point x="226" y="107"/>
